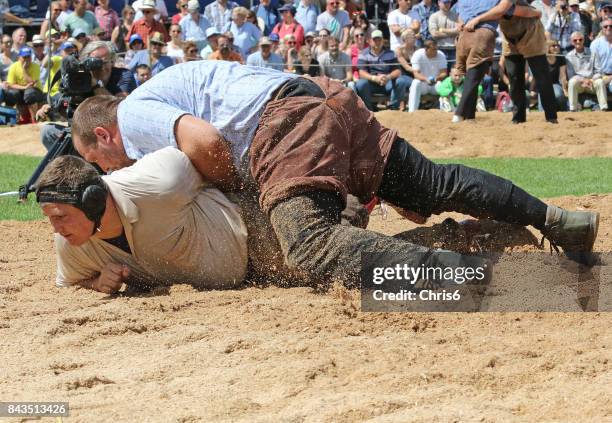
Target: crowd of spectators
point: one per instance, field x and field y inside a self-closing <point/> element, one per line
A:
<point x="401" y="59"/>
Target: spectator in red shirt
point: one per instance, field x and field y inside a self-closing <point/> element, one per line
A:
<point x="146" y="26"/>
<point x="289" y="26"/>
<point x="107" y="18"/>
<point x="181" y="6"/>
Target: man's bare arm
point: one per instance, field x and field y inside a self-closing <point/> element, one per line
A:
<point x="499" y="10"/>
<point x="208" y="151"/>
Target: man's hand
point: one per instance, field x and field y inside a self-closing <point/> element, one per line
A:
<point x="111" y="278"/>
<point x="41" y="114"/>
<point x="383" y="79"/>
<point x="471" y="25"/>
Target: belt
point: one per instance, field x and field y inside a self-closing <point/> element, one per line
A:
<point x="298" y="87"/>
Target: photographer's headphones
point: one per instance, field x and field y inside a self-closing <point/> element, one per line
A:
<point x="90" y="199"/>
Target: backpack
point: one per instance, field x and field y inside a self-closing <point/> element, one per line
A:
<point x="504" y="102"/>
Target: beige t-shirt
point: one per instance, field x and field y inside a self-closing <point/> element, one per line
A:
<point x="179" y="230"/>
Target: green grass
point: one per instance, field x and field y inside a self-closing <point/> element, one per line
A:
<point x="15" y="171"/>
<point x="541" y="177"/>
<point x="550" y="177"/>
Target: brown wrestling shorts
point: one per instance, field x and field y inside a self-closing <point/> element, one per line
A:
<point x="308" y="143"/>
<point x="474" y="48"/>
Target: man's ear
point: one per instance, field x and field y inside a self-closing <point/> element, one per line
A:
<point x="102" y="135"/>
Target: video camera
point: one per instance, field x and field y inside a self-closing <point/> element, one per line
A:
<point x="75" y="87"/>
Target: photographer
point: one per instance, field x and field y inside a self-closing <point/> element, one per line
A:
<point x="104" y="81"/>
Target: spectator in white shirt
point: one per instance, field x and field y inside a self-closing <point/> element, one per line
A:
<point x="336" y="21"/>
<point x="429" y="67"/>
<point x="399" y="20"/>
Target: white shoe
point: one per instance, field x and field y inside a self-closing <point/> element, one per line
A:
<point x="457" y="119"/>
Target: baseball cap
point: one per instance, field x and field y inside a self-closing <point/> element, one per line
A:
<point x="135" y="37"/>
<point x="604" y="4"/>
<point x="98" y="31"/>
<point x="212" y="31"/>
<point x="287" y="8"/>
<point x="25" y="51"/>
<point x="67" y="44"/>
<point x="274" y="37"/>
<point x="574" y="2"/>
<point x="53" y="32"/>
<point x="193" y="5"/>
<point x="377" y="33"/>
<point x="310" y="34"/>
<point x="78" y="32"/>
<point x="265" y="41"/>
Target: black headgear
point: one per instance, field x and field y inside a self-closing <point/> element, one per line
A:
<point x="89" y="198"/>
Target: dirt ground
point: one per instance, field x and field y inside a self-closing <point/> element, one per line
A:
<point x="295" y="355"/>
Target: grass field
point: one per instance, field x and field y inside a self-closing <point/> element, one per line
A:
<point x="542" y="177"/>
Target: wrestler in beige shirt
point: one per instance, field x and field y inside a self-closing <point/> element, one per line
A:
<point x="178" y="229"/>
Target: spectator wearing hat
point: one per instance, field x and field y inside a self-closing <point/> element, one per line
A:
<point x="219" y="13"/>
<point x="604" y="11"/>
<point x="336" y="21"/>
<point x="399" y="20"/>
<point x="584" y="73"/>
<point x="212" y="36"/>
<point x="97" y="35"/>
<point x="57" y="17"/>
<point x="107" y="18"/>
<point x="142" y="74"/>
<point x="562" y="24"/>
<point x="80" y="37"/>
<point x="119" y="33"/>
<point x="23" y="83"/>
<point x="309" y="38"/>
<point x="335" y="64"/>
<point x="225" y="51"/>
<point x="246" y="35"/>
<point x="289" y="25"/>
<point x="275" y="40"/>
<point x="147" y="25"/>
<point x="174" y="48"/>
<point x="602" y="48"/>
<point x="429" y="68"/>
<point x="194" y="25"/>
<point x="152" y="57"/>
<point x="585" y="20"/>
<point x="161" y="11"/>
<point x="268" y="15"/>
<point x="443" y="27"/>
<point x="135" y="44"/>
<point x="378" y="73"/>
<point x="306" y="13"/>
<point x="38" y="54"/>
<point x="265" y="58"/>
<point x="81" y="19"/>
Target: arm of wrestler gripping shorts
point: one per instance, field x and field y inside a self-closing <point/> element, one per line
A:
<point x="492" y="14"/>
<point x="209" y="152"/>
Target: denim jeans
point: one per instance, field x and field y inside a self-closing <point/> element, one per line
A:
<point x="396" y="88"/>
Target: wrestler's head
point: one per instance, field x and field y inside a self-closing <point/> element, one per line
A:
<point x="96" y="135"/>
<point x="73" y="196"/>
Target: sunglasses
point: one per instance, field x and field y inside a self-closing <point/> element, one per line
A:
<point x="192" y="51"/>
<point x="56" y="10"/>
<point x="358" y="35"/>
<point x="183" y="6"/>
<point x="147" y="12"/>
<point x="607" y="26"/>
<point x="291" y="43"/>
<point x="577" y="40"/>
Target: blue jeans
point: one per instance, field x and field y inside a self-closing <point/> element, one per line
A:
<point x="396" y="88"/>
<point x="559" y="97"/>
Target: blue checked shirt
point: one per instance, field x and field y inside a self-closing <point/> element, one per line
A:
<point x="423" y="13"/>
<point x="561" y="28"/>
<point x="217" y="18"/>
<point x="228" y="95"/>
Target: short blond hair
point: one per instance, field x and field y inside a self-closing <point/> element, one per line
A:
<point x="240" y="11"/>
<point x="97" y="111"/>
